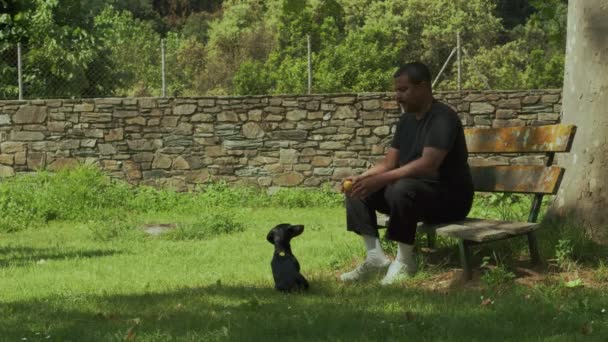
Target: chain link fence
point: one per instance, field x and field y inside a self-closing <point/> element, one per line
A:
<point x="37" y="72"/>
<point x="9" y="72"/>
<point x="151" y="67"/>
<point x="155" y="67"/>
<point x="145" y="66"/>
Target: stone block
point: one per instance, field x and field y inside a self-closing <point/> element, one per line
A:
<point x="27" y="136"/>
<point x="288" y="179"/>
<point x="30" y="114"/>
<point x="296" y="115"/>
<point x="185" y="109"/>
<point x="481" y="108"/>
<point x="346" y="112"/>
<point x="6" y="171"/>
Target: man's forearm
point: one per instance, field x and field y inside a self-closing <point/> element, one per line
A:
<point x="376" y="170"/>
<point x="419" y="168"/>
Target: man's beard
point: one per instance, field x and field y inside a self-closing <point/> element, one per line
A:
<point x="409" y="107"/>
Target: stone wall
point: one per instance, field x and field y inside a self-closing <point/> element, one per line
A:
<point x="265" y="140"/>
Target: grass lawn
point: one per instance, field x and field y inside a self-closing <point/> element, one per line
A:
<point x="75" y="265"/>
<point x="61" y="283"/>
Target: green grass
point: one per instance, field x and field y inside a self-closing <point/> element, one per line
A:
<point x="95" y="276"/>
<point x="60" y="281"/>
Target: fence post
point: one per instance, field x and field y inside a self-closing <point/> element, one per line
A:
<point x="443" y="67"/>
<point x="459" y="61"/>
<point x="162" y="51"/>
<point x="19" y="71"/>
<point x="309" y="66"/>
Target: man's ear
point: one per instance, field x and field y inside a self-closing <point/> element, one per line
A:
<point x="270" y="237"/>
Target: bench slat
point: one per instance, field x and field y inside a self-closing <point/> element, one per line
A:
<point x="479" y="230"/>
<point x="477" y="234"/>
<point x="512" y="227"/>
<point x="517" y="178"/>
<point x="526" y="139"/>
<point x="474" y="229"/>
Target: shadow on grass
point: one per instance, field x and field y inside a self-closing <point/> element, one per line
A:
<point x="557" y="236"/>
<point x="327" y="312"/>
<point x="22" y="256"/>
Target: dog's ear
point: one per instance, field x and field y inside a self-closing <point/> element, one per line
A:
<point x="270" y="236"/>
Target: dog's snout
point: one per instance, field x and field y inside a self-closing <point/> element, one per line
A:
<point x="270" y="237"/>
<point x="297" y="229"/>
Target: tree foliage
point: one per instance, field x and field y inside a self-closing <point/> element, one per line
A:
<point x="78" y="48"/>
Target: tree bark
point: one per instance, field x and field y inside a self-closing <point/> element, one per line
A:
<point x="583" y="195"/>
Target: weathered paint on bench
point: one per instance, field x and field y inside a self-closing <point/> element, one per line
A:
<point x="532" y="179"/>
<point x="526" y="139"/>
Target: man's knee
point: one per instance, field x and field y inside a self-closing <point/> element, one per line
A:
<point x="402" y="191"/>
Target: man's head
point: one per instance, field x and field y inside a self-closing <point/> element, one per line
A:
<point x="413" y="86"/>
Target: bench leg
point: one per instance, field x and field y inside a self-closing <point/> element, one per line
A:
<point x="533" y="245"/>
<point x="431" y="237"/>
<point x="465" y="259"/>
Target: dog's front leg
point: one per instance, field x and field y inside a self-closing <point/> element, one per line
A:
<point x="301" y="282"/>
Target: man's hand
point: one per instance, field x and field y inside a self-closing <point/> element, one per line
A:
<point x="389" y="162"/>
<point x="352" y="180"/>
<point x="366" y="186"/>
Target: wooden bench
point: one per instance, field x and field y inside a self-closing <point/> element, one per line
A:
<point x="539" y="180"/>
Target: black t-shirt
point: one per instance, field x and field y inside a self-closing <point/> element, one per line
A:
<point x="440" y="128"/>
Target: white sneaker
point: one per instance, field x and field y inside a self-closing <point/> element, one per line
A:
<point x="398" y="271"/>
<point x="365" y="269"/>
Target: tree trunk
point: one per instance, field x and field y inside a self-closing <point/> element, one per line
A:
<point x="583" y="195"/>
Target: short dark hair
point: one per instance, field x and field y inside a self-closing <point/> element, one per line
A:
<point x="415" y="71"/>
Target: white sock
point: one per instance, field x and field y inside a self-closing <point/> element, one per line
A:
<point x="405" y="253"/>
<point x="371" y="242"/>
<point x="403" y="266"/>
<point x="374" y="249"/>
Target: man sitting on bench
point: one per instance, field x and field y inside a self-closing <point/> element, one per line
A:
<point x="424" y="176"/>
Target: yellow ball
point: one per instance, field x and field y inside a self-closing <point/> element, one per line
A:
<point x="347" y="185"/>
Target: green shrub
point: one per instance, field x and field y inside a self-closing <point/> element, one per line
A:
<point x="32" y="199"/>
<point x="210" y="223"/>
<point x="601" y="273"/>
<point x="567" y="242"/>
<point x="501" y="206"/>
<point x="18" y="203"/>
<point x="79" y="193"/>
<point x="15" y="217"/>
<point x="302" y="198"/>
<point x="86" y="193"/>
<point x="223" y="194"/>
<point x="148" y="199"/>
<point x="497" y="275"/>
<point x="564" y="253"/>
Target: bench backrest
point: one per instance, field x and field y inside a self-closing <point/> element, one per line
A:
<point x="534" y="179"/>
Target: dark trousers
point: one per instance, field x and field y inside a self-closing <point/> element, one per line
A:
<point x="407" y="202"/>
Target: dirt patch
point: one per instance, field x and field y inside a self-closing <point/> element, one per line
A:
<point x="444" y="274"/>
<point x="450" y="280"/>
<point x="156" y="229"/>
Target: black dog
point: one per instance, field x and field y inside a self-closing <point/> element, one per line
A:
<point x="285" y="266"/>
